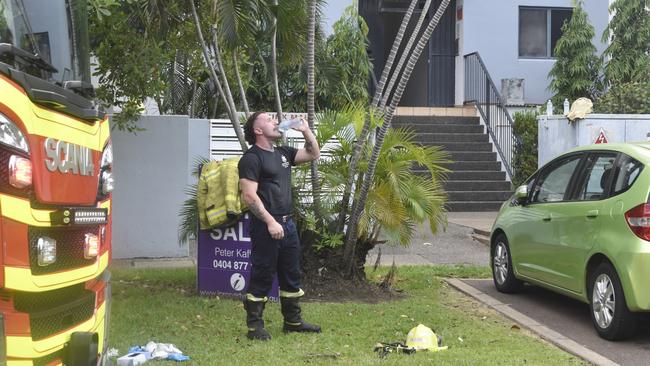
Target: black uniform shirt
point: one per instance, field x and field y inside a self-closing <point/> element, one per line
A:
<point x="272" y="171"/>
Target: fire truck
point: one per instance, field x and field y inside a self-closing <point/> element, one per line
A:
<point x="55" y="189"/>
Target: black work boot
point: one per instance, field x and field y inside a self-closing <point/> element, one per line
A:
<point x="254" y="320"/>
<point x="292" y="320"/>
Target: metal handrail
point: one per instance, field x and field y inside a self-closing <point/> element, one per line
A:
<point x="481" y="91"/>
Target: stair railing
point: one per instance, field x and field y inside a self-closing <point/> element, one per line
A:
<point x="481" y="91"/>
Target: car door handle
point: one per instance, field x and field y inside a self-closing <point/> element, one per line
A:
<point x="592" y="214"/>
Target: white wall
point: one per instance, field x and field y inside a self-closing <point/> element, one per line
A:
<point x="492" y="29"/>
<point x="152" y="170"/>
<point x="556" y="135"/>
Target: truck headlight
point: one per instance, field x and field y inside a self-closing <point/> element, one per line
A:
<point x="46" y="251"/>
<point x="91" y="246"/>
<point x="11" y="135"/>
<point x="20" y="172"/>
<point x="106" y="181"/>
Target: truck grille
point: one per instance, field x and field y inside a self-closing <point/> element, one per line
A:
<point x="55" y="311"/>
<point x="69" y="247"/>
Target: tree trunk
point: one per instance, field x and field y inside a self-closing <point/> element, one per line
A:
<point x="356" y="153"/>
<point x="215" y="79"/>
<point x="274" y="64"/>
<point x="242" y="91"/>
<point x="351" y="235"/>
<point x="222" y="72"/>
<point x="311" y="110"/>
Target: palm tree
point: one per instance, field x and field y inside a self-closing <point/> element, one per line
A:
<point x="236" y="28"/>
<point x="356" y="154"/>
<point x="207" y="59"/>
<point x="311" y="110"/>
<point x="274" y="62"/>
<point x="222" y="71"/>
<point x="351" y="234"/>
<point x="398" y="199"/>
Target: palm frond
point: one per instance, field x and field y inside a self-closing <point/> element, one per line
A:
<point x="189" y="212"/>
<point x="189" y="216"/>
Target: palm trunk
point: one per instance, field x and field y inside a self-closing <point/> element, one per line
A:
<point x="311" y="110"/>
<point x="242" y="91"/>
<point x="274" y="66"/>
<point x="356" y="152"/>
<point x="213" y="75"/>
<point x="222" y="72"/>
<point x="405" y="54"/>
<point x="351" y="235"/>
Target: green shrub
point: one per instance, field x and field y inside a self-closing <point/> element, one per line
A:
<point x="524" y="162"/>
<point x="628" y="98"/>
<point x="575" y="71"/>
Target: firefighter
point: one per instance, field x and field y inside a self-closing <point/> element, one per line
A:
<point x="265" y="181"/>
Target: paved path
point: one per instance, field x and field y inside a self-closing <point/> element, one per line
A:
<point x="568" y="321"/>
<point x="453" y="246"/>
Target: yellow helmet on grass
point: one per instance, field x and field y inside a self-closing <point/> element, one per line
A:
<point x="423" y="338"/>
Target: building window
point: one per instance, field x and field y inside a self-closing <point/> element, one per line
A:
<point x="540" y="29"/>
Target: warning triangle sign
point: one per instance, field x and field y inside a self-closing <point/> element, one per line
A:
<point x="601" y="139"/>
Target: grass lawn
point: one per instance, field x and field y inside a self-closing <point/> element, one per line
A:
<point x="162" y="305"/>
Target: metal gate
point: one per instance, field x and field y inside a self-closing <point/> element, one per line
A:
<point x="442" y="54"/>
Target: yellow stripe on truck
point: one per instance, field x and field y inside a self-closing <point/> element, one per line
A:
<point x="63" y="128"/>
<point x="22" y="279"/>
<point x="19" y="209"/>
<point x="24" y="347"/>
<point x="26" y="363"/>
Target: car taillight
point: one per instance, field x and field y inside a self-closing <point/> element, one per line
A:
<point x="638" y="219"/>
<point x="20" y="172"/>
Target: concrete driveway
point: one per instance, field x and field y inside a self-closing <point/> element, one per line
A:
<point x="570" y="319"/>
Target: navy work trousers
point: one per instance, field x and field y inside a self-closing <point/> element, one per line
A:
<point x="270" y="256"/>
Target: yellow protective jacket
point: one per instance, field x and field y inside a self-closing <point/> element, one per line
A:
<point x="218" y="196"/>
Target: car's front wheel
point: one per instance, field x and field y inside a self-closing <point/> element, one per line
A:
<point x="502" y="271"/>
<point x="609" y="313"/>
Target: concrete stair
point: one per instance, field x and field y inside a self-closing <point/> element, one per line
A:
<point x="476" y="182"/>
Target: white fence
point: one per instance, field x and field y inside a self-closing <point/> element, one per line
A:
<point x="224" y="143"/>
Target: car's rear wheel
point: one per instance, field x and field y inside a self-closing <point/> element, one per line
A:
<point x="609" y="313"/>
<point x="502" y="271"/>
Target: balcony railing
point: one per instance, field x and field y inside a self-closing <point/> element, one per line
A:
<point x="481" y="91"/>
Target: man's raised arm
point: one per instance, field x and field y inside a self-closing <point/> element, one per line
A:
<point x="311" y="151"/>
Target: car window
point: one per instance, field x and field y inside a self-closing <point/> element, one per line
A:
<point x="597" y="176"/>
<point x="553" y="182"/>
<point x="626" y="173"/>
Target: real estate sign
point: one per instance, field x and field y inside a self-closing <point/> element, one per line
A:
<point x="224" y="261"/>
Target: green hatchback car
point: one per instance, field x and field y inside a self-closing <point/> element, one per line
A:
<point x="580" y="226"/>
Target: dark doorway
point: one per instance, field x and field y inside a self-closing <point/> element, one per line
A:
<point x="433" y="78"/>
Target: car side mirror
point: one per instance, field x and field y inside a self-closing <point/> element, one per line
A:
<point x="521" y="194"/>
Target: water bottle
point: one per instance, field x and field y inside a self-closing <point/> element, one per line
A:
<point x="549" y="108"/>
<point x="566" y="106"/>
<point x="285" y="125"/>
